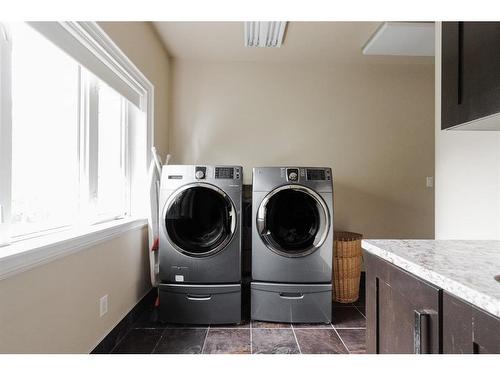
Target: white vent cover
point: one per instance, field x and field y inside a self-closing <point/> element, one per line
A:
<point x="402" y="39"/>
<point x="264" y="34"/>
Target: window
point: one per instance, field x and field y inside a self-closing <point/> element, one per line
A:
<point x="112" y="184"/>
<point x="65" y="153"/>
<point x="45" y="94"/>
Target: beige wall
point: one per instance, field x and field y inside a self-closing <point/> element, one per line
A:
<point x="141" y="44"/>
<point x="54" y="308"/>
<point x="373" y="124"/>
<point x="467" y="177"/>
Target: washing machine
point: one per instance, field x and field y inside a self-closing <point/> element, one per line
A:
<point x="200" y="244"/>
<point x="292" y="240"/>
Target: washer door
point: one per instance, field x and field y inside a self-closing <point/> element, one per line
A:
<point x="200" y="219"/>
<point x="293" y="221"/>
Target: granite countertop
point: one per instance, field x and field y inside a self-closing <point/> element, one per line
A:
<point x="465" y="269"/>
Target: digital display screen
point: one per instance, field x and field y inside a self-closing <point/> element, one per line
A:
<point x="316" y="174"/>
<point x="224" y="172"/>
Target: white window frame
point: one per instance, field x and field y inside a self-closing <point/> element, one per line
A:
<point x="28" y="253"/>
<point x="5" y="133"/>
<point x="89" y="149"/>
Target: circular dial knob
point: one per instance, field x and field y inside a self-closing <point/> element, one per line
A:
<point x="293" y="176"/>
<point x="199" y="175"/>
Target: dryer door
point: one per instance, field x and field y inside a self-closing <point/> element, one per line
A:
<point x="200" y="219"/>
<point x="293" y="221"/>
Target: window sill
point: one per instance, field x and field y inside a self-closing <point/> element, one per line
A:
<point x="24" y="255"/>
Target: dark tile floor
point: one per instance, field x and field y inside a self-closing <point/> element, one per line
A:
<point x="346" y="334"/>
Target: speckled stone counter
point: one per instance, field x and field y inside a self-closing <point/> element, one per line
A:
<point x="463" y="268"/>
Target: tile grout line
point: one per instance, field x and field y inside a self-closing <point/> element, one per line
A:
<point x="158" y="342"/>
<point x="281" y="328"/>
<point x="340" y="337"/>
<point x="251" y="344"/>
<point x="120" y="341"/>
<point x="245" y="328"/>
<point x="232" y="328"/>
<point x="219" y="328"/>
<point x="205" y="340"/>
<point x="360" y="312"/>
<point x="341" y="340"/>
<point x="297" y="341"/>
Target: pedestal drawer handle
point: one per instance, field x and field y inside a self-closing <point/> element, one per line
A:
<point x="286" y="295"/>
<point x="199" y="297"/>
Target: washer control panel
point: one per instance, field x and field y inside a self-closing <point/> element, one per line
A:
<point x="217" y="172"/>
<point x="227" y="173"/>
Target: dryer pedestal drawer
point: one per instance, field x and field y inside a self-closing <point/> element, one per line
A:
<point x="200" y="304"/>
<point x="291" y="303"/>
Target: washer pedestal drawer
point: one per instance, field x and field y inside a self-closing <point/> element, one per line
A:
<point x="291" y="303"/>
<point x="200" y="304"/>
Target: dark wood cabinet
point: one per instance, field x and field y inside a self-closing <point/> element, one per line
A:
<point x="405" y="314"/>
<point x="470" y="75"/>
<point x="467" y="329"/>
<point x="402" y="310"/>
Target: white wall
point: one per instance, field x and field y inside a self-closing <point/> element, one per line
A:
<point x="467" y="177"/>
<point x="373" y="124"/>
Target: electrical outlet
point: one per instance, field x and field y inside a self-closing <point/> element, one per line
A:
<point x="103" y="305"/>
<point x="429" y="182"/>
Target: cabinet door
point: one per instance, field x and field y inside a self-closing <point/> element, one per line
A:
<point x="486" y="331"/>
<point x="470" y="81"/>
<point x="467" y="329"/>
<point x="457" y="326"/>
<point x="402" y="310"/>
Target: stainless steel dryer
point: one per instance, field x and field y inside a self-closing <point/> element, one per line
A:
<point x="292" y="241"/>
<point x="200" y="244"/>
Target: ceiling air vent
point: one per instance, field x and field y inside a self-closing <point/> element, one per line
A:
<point x="264" y="34"/>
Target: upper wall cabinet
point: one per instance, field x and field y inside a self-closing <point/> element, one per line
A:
<point x="470" y="76"/>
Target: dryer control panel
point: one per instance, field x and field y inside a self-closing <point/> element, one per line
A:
<point x="306" y="174"/>
<point x="220" y="172"/>
<point x="266" y="179"/>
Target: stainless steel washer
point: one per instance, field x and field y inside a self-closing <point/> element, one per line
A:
<point x="292" y="243"/>
<point x="200" y="244"/>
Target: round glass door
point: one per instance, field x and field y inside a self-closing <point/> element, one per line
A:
<point x="293" y="221"/>
<point x="200" y="219"/>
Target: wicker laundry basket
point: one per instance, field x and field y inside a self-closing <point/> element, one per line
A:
<point x="347" y="260"/>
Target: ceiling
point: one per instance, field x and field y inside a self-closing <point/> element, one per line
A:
<point x="328" y="42"/>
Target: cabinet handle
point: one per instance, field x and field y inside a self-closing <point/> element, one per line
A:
<point x="420" y="317"/>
